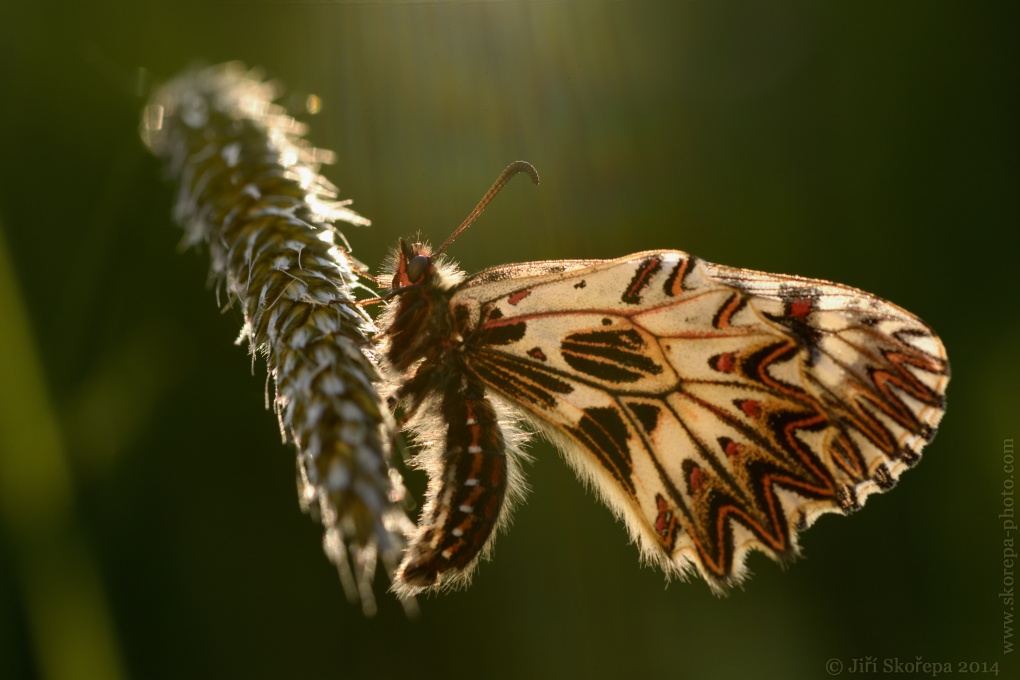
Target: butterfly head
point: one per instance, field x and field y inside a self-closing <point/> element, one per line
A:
<point x="417" y="269"/>
<point x="413" y="264"/>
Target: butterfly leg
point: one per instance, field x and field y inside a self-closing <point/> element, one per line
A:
<point x="466" y="490"/>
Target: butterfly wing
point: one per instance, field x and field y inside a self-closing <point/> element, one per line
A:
<point x="716" y="410"/>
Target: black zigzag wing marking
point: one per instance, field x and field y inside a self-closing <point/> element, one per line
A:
<point x="646" y="270"/>
<point x="602" y="431"/>
<point x="522" y="381"/>
<point x="647" y="415"/>
<point x="609" y="355"/>
<point x="676" y="281"/>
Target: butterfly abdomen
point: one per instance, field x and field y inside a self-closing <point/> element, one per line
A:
<point x="467" y="491"/>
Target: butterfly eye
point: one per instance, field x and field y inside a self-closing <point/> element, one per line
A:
<point x="417" y="268"/>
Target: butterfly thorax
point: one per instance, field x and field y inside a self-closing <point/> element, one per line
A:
<point x="419" y="323"/>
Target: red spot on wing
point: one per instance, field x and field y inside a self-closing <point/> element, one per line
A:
<point x="751" y="408"/>
<point x="665" y="513"/>
<point x="732" y="448"/>
<point x="799" y="308"/>
<point x="666" y="523"/>
<point x="515" y="298"/>
<point x="537" y="353"/>
<point x="696" y="480"/>
<point x="724" y="363"/>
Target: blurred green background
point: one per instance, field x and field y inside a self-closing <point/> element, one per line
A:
<point x="150" y="522"/>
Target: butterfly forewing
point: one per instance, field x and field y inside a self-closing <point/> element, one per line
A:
<point x="716" y="410"/>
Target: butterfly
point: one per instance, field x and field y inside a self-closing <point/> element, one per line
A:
<point x="717" y="411"/>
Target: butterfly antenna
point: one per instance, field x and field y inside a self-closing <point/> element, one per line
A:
<point x="505" y="176"/>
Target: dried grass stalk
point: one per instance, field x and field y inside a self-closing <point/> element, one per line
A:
<point x="249" y="188"/>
